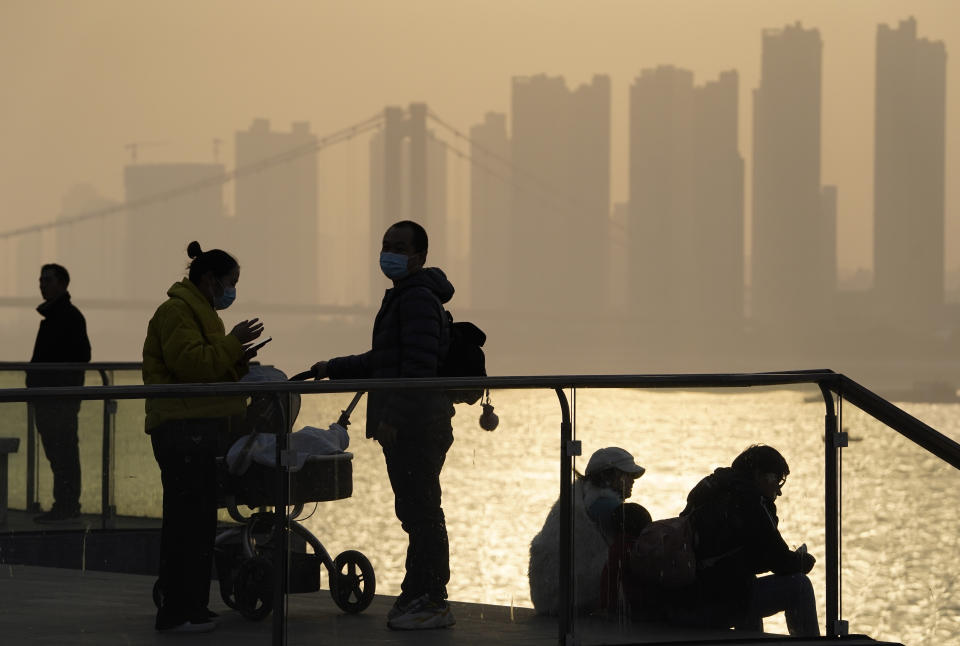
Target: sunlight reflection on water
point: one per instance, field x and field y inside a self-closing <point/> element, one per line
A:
<point x="899" y="575"/>
<point x="901" y="529"/>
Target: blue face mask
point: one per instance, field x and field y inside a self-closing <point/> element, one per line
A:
<point x="394" y="265"/>
<point x="225" y="300"/>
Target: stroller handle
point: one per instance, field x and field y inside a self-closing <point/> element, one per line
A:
<point x="344" y="419"/>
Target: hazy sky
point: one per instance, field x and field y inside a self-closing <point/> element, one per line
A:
<point x="82" y="78"/>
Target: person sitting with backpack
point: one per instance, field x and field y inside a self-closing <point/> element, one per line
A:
<point x="597" y="496"/>
<point x="734" y="520"/>
<point x="621" y="590"/>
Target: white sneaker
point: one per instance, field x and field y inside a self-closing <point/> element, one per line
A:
<point x="421" y="614"/>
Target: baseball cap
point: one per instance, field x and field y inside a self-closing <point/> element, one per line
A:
<point x="613" y="457"/>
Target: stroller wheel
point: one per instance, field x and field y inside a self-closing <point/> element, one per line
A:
<point x="157" y="594"/>
<point x="253" y="588"/>
<point x="228" y="594"/>
<point x="352" y="582"/>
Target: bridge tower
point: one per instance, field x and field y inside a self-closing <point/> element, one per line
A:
<point x="407" y="182"/>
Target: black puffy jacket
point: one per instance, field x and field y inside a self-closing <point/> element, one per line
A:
<point x="410" y="339"/>
<point x="62" y="338"/>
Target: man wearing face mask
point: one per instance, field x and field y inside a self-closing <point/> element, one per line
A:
<point x="410" y="339"/>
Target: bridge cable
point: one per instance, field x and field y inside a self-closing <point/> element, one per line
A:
<point x="344" y="134"/>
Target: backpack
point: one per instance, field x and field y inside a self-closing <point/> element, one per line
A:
<point x="663" y="554"/>
<point x="464" y="358"/>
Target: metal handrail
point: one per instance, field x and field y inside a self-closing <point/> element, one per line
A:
<point x="743" y="380"/>
<point x="93" y="366"/>
<point x="105" y="369"/>
<point x="829" y="382"/>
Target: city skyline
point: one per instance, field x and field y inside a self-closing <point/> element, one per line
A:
<point x="593" y="170"/>
<point x="88" y="105"/>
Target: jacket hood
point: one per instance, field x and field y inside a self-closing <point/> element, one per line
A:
<point x="187" y="292"/>
<point x="721" y="481"/>
<point x="434" y="279"/>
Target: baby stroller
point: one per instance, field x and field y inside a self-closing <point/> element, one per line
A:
<point x="244" y="554"/>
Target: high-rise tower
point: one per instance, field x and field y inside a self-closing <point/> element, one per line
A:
<point x="158" y="231"/>
<point x="560" y="207"/>
<point x="791" y="287"/>
<point x="908" y="186"/>
<point x="685" y="262"/>
<point x="276" y="214"/>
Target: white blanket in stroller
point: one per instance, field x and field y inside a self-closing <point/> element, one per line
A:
<point x="309" y="440"/>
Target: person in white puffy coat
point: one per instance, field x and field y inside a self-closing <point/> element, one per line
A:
<point x="606" y="483"/>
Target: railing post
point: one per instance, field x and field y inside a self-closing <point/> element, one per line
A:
<point x="565" y="608"/>
<point x="833" y="439"/>
<point x="32" y="505"/>
<point x="108" y="511"/>
<point x="282" y="536"/>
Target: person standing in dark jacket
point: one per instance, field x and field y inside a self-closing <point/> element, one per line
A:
<point x="62" y="338"/>
<point x="734" y="519"/>
<point x="410" y="339"/>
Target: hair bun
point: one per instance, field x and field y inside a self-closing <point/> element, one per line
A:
<point x="194" y="250"/>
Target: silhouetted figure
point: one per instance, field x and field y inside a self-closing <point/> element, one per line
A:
<point x="62" y="338"/>
<point x="734" y="518"/>
<point x="597" y="504"/>
<point x="620" y="590"/>
<point x="410" y="339"/>
<point x="186" y="343"/>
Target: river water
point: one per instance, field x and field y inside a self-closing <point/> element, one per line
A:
<point x="901" y="526"/>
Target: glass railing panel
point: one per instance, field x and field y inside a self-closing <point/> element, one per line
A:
<point x="137" y="489"/>
<point x="13" y="424"/>
<point x="681" y="436"/>
<point x="900" y="531"/>
<point x="497" y="488"/>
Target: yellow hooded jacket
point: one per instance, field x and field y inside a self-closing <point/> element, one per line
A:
<point x="186" y="343"/>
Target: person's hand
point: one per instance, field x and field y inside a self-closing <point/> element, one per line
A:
<point x="250" y="351"/>
<point x="319" y="370"/>
<point x="247" y="331"/>
<point x="385" y="434"/>
<point x="807" y="561"/>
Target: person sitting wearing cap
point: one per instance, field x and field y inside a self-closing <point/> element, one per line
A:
<point x="597" y="496"/>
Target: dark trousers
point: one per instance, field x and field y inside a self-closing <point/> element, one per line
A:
<point x="57" y="425"/>
<point x="186" y="451"/>
<point x="790" y="594"/>
<point x="414" y="463"/>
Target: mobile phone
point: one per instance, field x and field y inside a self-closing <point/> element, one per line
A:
<point x="260" y="345"/>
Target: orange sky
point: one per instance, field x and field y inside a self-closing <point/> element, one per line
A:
<point x="80" y="79"/>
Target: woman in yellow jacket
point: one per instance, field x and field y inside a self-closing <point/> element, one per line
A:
<point x="186" y="343"/>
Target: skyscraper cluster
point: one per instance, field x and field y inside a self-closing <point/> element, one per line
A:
<point x="682" y="253"/>
<point x="677" y="248"/>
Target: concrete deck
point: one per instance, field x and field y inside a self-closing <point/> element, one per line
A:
<point x="57" y="606"/>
